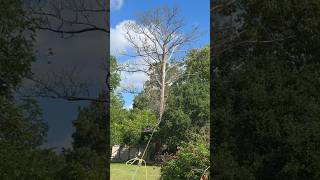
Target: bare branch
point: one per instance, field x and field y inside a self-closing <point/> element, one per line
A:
<point x="156" y="37"/>
<point x="253" y="42"/>
<point x="74" y="31"/>
<point x="71" y="17"/>
<point x="59" y="85"/>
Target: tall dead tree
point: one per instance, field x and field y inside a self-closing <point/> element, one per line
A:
<point x="157" y="36"/>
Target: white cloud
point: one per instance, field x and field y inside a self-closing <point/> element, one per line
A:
<point x="118" y="42"/>
<point x="129" y="107"/>
<point x="116" y="4"/>
<point x="133" y="80"/>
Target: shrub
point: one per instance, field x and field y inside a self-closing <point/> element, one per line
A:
<point x="190" y="162"/>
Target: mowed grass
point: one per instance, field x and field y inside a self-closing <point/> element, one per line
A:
<point x="119" y="171"/>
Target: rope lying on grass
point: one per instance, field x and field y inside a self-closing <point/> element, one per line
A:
<point x="141" y="160"/>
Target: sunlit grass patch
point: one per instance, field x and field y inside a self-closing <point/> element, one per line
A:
<point x="125" y="172"/>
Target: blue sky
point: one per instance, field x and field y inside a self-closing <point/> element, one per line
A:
<point x="193" y="12"/>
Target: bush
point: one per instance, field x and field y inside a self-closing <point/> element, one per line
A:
<point x="83" y="164"/>
<point x="190" y="162"/>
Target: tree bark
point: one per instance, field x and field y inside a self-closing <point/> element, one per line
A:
<point x="163" y="84"/>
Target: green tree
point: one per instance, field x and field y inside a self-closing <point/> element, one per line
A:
<point x="139" y="121"/>
<point x="191" y="161"/>
<point x="22" y="125"/>
<point x="29" y="164"/>
<point x="16" y="38"/>
<point x="186" y="120"/>
<point x="88" y="159"/>
<point x="84" y="163"/>
<point x="22" y="129"/>
<point x="266" y="103"/>
<point x="148" y="98"/>
<point x="127" y="126"/>
<point x="188" y="101"/>
<point x="115" y="76"/>
<point x="118" y="115"/>
<point x="90" y="130"/>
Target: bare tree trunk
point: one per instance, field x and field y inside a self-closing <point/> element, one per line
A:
<point x="163" y="84"/>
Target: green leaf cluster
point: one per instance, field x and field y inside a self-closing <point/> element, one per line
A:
<point x="265" y="91"/>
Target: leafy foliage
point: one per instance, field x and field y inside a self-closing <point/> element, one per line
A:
<point x="190" y="162"/>
<point x="84" y="163"/>
<point x="16" y="36"/>
<point x="127" y="126"/>
<point x="118" y="115"/>
<point x="29" y="164"/>
<point x="22" y="129"/>
<point x="266" y="104"/>
<point x="138" y="122"/>
<point x="90" y="130"/>
<point x="21" y="125"/>
<point x="186" y="120"/>
<point x="115" y="76"/>
<point x="188" y="101"/>
<point x="148" y="98"/>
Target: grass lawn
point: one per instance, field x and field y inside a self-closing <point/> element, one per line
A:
<point x="121" y="171"/>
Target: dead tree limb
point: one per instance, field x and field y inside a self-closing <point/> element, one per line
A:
<point x="71" y="17"/>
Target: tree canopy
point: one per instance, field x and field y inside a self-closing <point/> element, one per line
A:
<point x="22" y="129"/>
<point x="265" y="108"/>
